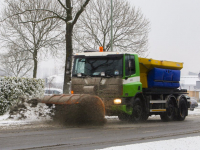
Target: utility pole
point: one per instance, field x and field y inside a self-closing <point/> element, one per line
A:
<point x="111" y="25"/>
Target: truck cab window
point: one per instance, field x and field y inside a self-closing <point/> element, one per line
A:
<point x="129" y="65"/>
<point x="94" y="66"/>
<point x="80" y="65"/>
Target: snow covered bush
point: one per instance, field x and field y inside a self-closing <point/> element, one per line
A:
<point x="13" y="90"/>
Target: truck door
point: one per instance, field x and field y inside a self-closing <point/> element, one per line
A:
<point x="131" y="80"/>
<point x="129" y="65"/>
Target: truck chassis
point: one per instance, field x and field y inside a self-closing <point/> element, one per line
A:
<point x="170" y="104"/>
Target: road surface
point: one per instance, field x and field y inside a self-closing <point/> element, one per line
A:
<point x="50" y="135"/>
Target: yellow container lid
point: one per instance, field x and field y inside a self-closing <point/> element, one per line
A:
<point x="146" y="64"/>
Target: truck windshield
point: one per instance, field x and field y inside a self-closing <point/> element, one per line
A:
<point x="98" y="66"/>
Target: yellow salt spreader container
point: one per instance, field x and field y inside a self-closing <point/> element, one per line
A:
<point x="146" y="64"/>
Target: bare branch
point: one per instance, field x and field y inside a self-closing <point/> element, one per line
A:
<point x="63" y="5"/>
<point x="80" y="11"/>
<point x="129" y="25"/>
<point x="30" y="30"/>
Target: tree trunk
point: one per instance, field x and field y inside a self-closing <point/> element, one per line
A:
<point x="67" y="73"/>
<point x="69" y="50"/>
<point x="35" y="64"/>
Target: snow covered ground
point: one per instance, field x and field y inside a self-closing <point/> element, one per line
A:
<point x="33" y="114"/>
<point x="181" y="144"/>
<point x="189" y="143"/>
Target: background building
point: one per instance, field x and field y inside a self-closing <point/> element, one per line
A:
<point x="191" y="82"/>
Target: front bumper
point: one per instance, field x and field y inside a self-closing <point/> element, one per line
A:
<point x="118" y="109"/>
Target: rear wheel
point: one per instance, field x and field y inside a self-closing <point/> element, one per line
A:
<point x="182" y="110"/>
<point x="169" y="115"/>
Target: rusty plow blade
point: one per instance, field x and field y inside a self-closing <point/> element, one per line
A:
<point x="63" y="99"/>
<point x="76" y="107"/>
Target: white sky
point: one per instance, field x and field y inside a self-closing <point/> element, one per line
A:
<point x="175" y="30"/>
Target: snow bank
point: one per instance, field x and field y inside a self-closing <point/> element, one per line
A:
<point x="27" y="115"/>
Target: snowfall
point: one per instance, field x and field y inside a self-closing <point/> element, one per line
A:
<point x="181" y="143"/>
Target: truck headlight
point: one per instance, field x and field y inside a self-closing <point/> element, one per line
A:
<point x="117" y="101"/>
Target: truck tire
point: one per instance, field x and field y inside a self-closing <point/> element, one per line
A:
<point x="138" y="111"/>
<point x="182" y="110"/>
<point x="169" y="115"/>
<point x="124" y="117"/>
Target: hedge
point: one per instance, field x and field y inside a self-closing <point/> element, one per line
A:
<point x="13" y="90"/>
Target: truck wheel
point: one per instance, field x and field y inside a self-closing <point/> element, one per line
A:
<point x="137" y="114"/>
<point x="169" y="115"/>
<point x="123" y="117"/>
<point x="182" y="110"/>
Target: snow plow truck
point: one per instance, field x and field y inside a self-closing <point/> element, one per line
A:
<point x="124" y="85"/>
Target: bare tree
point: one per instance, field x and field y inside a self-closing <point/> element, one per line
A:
<point x="130" y="28"/>
<point x="13" y="65"/>
<point x="69" y="12"/>
<point x="23" y="31"/>
<point x="73" y="9"/>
